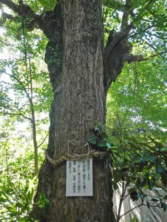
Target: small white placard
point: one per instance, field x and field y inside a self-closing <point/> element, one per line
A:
<point x="79" y="178"/>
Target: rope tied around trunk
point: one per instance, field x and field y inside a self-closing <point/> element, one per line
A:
<point x="75" y="157"/>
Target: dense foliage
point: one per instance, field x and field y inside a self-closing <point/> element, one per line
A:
<point x="136" y="108"/>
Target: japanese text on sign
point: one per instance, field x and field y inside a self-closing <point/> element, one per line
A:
<point x="79" y="179"/>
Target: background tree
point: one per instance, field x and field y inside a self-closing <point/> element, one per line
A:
<point x="81" y="71"/>
<point x="17" y="172"/>
<point x="22" y="80"/>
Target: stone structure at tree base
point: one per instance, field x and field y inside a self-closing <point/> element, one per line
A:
<point x="142" y="213"/>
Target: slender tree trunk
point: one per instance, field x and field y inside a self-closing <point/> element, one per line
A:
<point x="34" y="136"/>
<point x="33" y="120"/>
<point x="79" y="105"/>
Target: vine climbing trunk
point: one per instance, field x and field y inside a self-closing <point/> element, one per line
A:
<point x="75" y="62"/>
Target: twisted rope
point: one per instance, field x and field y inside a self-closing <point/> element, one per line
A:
<point x="73" y="157"/>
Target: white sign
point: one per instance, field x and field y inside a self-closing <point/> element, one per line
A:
<point x="79" y="178"/>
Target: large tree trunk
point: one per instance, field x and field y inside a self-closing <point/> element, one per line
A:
<point x="79" y="105"/>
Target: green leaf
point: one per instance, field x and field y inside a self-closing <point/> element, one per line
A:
<point x="148" y="158"/>
<point x="101" y="144"/>
<point x="163" y="149"/>
<point x="116" y="4"/>
<point x="48" y="4"/>
<point x="159" y="169"/>
<point x="109" y="145"/>
<point x="92" y="140"/>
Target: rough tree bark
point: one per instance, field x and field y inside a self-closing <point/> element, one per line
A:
<point x="81" y="71"/>
<point x="77" y="79"/>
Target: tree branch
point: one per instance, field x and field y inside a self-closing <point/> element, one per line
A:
<point x="16" y="114"/>
<point x="124" y="188"/>
<point x="25" y="90"/>
<point x="50" y="22"/>
<point x="127" y="11"/>
<point x="43" y="140"/>
<point x="24" y="11"/>
<point x="145" y="7"/>
<point x="11" y="5"/>
<point x="6" y="16"/>
<point x="139" y="205"/>
<point x="133" y="58"/>
<point x="117" y="47"/>
<point x="116" y="53"/>
<point x="139" y="58"/>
